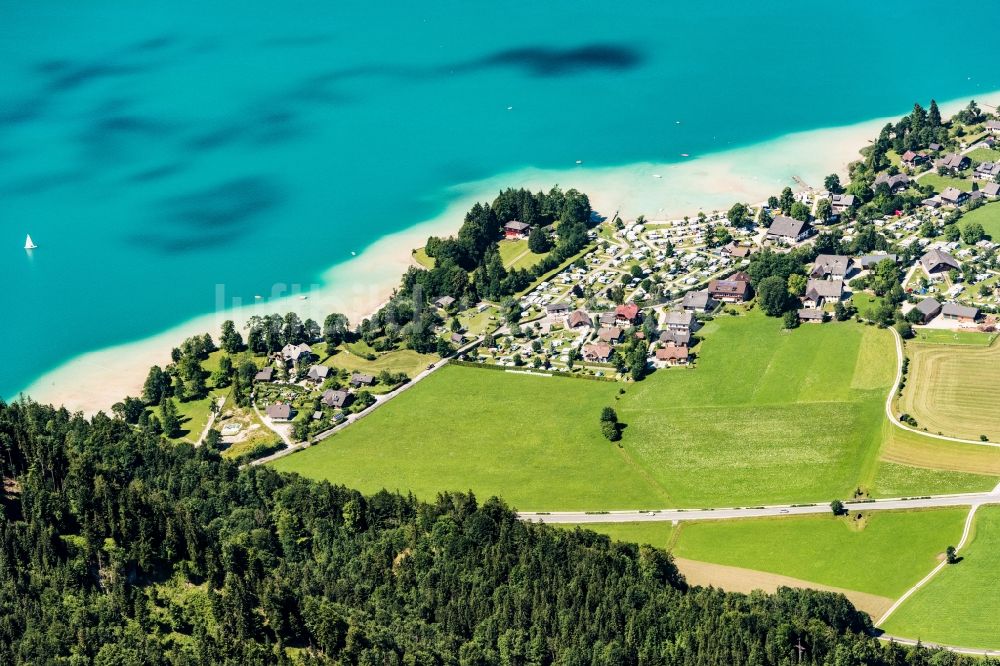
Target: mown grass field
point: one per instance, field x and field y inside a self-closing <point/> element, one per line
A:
<point x="767" y="416"/>
<point x="348" y="357"/>
<point x="515" y="254"/>
<point x="938" y="336"/>
<point x="960" y="605"/>
<point x="884" y="554"/>
<point x="895" y="480"/>
<point x="988" y="216"/>
<point x="940" y="183"/>
<point x="951" y="390"/>
<point x="915" y="450"/>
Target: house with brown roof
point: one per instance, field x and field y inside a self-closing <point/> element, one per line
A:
<point x="912" y="159"/>
<point x="734" y="249"/>
<point x="953" y="162"/>
<point x="676" y="338"/>
<point x="987" y="171"/>
<point x="336" y="398"/>
<point x="514" y="230"/>
<point x="362" y="379"/>
<point x="578" y="319"/>
<point x="678" y="320"/>
<point x="280" y="412"/>
<point x="831" y="266"/>
<point x="626" y="315"/>
<point x="811" y="315"/>
<point x="597" y="353"/>
<point x="993" y="126"/>
<point x="557" y="308"/>
<point x="295" y="353"/>
<point x="896" y="183"/>
<point x="842" y="202"/>
<point x="938" y="261"/>
<point x="672" y="355"/>
<point x="991" y="189"/>
<point x="734" y="289"/>
<point x="318" y="373"/>
<point x="265" y="375"/>
<point x="611" y="335"/>
<point x="954" y="196"/>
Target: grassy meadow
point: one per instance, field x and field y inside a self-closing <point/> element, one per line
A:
<point x="904" y="447"/>
<point x="767" y="416"/>
<point x="950" y="389"/>
<point x="988" y="216"/>
<point x="960" y="605"/>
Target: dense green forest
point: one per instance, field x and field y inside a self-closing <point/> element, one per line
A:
<point x="118" y="548"/>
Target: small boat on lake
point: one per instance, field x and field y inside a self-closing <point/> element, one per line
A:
<point x="29" y="244"/>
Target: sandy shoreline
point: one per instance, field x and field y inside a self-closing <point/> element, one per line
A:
<point x="96" y="380"/>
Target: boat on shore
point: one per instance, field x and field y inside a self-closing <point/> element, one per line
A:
<point x="29" y="244"/>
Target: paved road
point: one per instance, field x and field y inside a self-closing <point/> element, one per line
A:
<point x="663" y="515"/>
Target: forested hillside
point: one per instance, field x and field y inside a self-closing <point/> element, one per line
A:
<point x="116" y="548"/>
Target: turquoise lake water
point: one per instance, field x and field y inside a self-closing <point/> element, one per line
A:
<point x="154" y="151"/>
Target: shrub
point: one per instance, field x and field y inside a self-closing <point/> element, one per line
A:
<point x="610" y="431"/>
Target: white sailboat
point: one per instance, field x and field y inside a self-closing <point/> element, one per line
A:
<point x="29" y="244"/>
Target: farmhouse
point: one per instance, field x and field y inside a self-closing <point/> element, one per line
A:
<point x="821" y="291"/>
<point x="514" y="230"/>
<point x="697" y="301"/>
<point x="678" y="321"/>
<point x="672" y="355"/>
<point x="295" y="353"/>
<point x="626" y="315"/>
<point x="611" y="335"/>
<point x="928" y="308"/>
<point x="788" y="230"/>
<point x="831" y="266"/>
<point x="912" y="159"/>
<point x="265" y="375"/>
<point x="993" y="126"/>
<point x="676" y="338"/>
<point x="598" y="352"/>
<point x="279" y="412"/>
<point x="734" y="249"/>
<point x="578" y="319"/>
<point x="937" y="261"/>
<point x="337" y="399"/>
<point x="961" y="313"/>
<point x="318" y="373"/>
<point x="842" y="202"/>
<point x="987" y="171"/>
<point x="953" y="162"/>
<point x="811" y="315"/>
<point x="362" y="379"/>
<point x="896" y="183"/>
<point x="734" y="289"/>
<point x="954" y="196"/>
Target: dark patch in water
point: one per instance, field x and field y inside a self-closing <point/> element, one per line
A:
<point x="45" y="182"/>
<point x="544" y="61"/>
<point x="297" y="41"/>
<point x="155" y="173"/>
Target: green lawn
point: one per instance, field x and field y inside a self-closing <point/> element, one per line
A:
<point x="939" y="183"/>
<point x="420" y="256"/>
<point x="895" y="480"/>
<point x="515" y="254"/>
<point x="884" y="553"/>
<point x="767" y="416"/>
<point x="988" y="216"/>
<point x="960" y="605"/>
<point x="348" y="358"/>
<point x="983" y="155"/>
<point x="657" y="534"/>
<point x="937" y="336"/>
<point x="863" y="301"/>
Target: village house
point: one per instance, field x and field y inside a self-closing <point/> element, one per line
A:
<point x="578" y="319"/>
<point x="842" y="202"/>
<point x="515" y="230"/>
<point x="811" y="315"/>
<point x="607" y="319"/>
<point x="993" y="126"/>
<point x="819" y="292"/>
<point x="598" y="352"/>
<point x="734" y="289"/>
<point x="318" y="373"/>
<point x="627" y="315"/>
<point x="336" y="398"/>
<point x="953" y="162"/>
<point x="677" y="320"/>
<point x="280" y="412"/>
<point x="788" y="230"/>
<point x="672" y="355"/>
<point x="457" y="339"/>
<point x="557" y="308"/>
<point x="611" y="335"/>
<point x="928" y="309"/>
<point x="954" y="196"/>
<point x="987" y="171"/>
<point x="991" y="189"/>
<point x="734" y="249"/>
<point x="896" y="183"/>
<point x="869" y="261"/>
<point x="265" y="375"/>
<point x="934" y="147"/>
<point x="831" y="266"/>
<point x="697" y="301"/>
<point x="937" y="261"/>
<point x="964" y="314"/>
<point x="912" y="159"/>
<point x="295" y="353"/>
<point x="444" y="302"/>
<point x="676" y="338"/>
<point x="362" y="379"/>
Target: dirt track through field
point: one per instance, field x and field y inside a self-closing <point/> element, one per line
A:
<point x="737" y="579"/>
